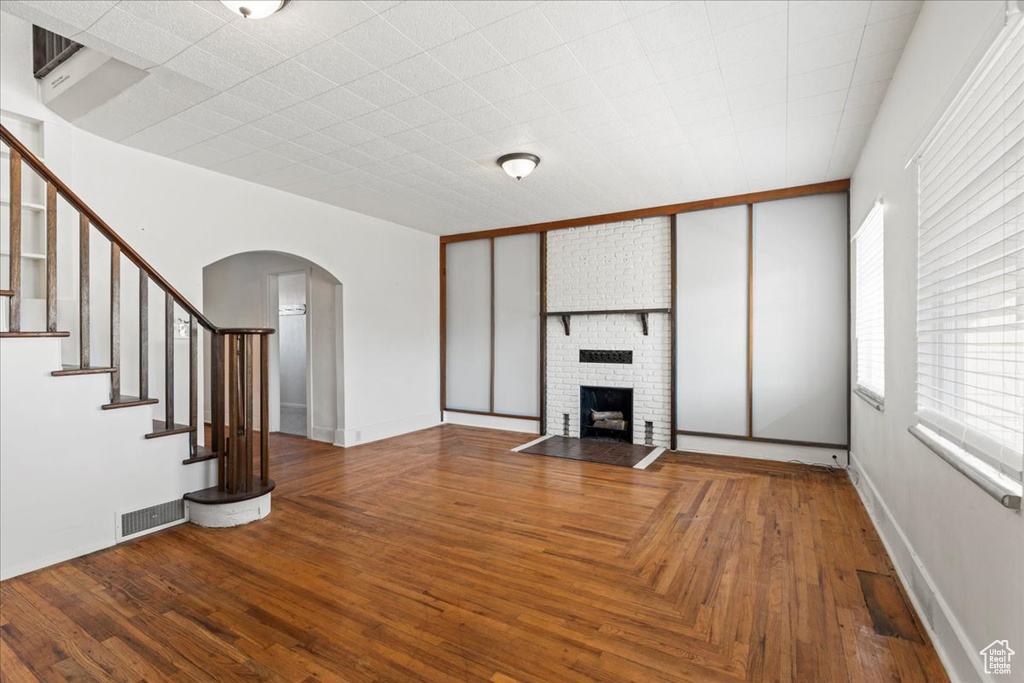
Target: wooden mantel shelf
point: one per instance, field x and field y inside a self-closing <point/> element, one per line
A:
<point x="566" y="316"/>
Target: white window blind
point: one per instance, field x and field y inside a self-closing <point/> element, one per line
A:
<point x="870" y="305"/>
<point x="970" y="307"/>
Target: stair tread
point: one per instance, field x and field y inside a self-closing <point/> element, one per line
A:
<point x="6" y="292"/>
<point x="70" y="370"/>
<point x="160" y="428"/>
<point x="202" y="454"/>
<point x="124" y="401"/>
<point x="19" y="335"/>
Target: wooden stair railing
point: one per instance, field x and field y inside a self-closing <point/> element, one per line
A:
<point x="235" y="439"/>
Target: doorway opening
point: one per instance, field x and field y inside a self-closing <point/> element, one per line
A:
<point x="292" y="329"/>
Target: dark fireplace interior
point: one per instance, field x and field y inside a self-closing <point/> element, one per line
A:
<point x="613" y="403"/>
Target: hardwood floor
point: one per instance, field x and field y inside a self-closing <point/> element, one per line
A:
<point x="442" y="556"/>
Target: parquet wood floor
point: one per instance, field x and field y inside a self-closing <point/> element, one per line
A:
<point x="442" y="556"/>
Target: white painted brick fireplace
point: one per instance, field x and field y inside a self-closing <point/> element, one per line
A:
<point x="615" y="266"/>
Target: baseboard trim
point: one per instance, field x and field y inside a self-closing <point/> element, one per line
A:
<point x="761" y="450"/>
<point x="958" y="655"/>
<point x="354" y="436"/>
<point x="509" y="424"/>
<point x="26" y="567"/>
<point x="322" y="434"/>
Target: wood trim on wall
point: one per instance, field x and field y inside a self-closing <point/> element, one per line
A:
<point x="674" y="332"/>
<point x="492" y="326"/>
<point x="750" y="321"/>
<point x="444" y="327"/>
<point x="666" y="210"/>
<point x="543" y="333"/>
<point x="491" y="413"/>
<point x="762" y="439"/>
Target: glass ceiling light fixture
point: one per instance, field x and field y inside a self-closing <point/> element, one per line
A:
<point x="254" y="9"/>
<point x="519" y="165"/>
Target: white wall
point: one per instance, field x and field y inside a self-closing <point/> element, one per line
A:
<point x="959" y="550"/>
<point x="291" y="331"/>
<point x="181" y="218"/>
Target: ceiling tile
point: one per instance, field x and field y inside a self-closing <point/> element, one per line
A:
<point x="379" y="89"/>
<point x="814" y="20"/>
<point x="421" y="74"/>
<point x="607" y="48"/>
<point x="869" y="94"/>
<point x="294" y="151"/>
<point x="758" y="97"/>
<point x="575" y="20"/>
<point x="522" y="35"/>
<point x="206" y="68"/>
<point x="235" y="107"/>
<point x="756" y="71"/>
<point x="625" y="78"/>
<point x="824" y="52"/>
<point x="484" y="119"/>
<point x="310" y="116"/>
<point x="60" y="16"/>
<point x="677" y="24"/>
<point x="136" y="35"/>
<point x="263" y="93"/>
<point x="685" y="60"/>
<point x="202" y="116"/>
<point x="500" y="84"/>
<point x="298" y="80"/>
<point x="380" y="123"/>
<point x="727" y="15"/>
<point x="335" y="62"/>
<point x="481" y="14"/>
<point x="889" y="9"/>
<point x="333" y="18"/>
<point x="821" y="81"/>
<point x="573" y="94"/>
<point x="280" y="127"/>
<point x="168" y="136"/>
<point x="697" y="87"/>
<point x="468" y="56"/>
<point x="548" y="68"/>
<point x="412" y="140"/>
<point x="343" y="103"/>
<point x="201" y="155"/>
<point x="759" y="119"/>
<point x="455" y="99"/>
<point x="818" y="105"/>
<point x="349" y="133"/>
<point x="237" y="47"/>
<point x="446" y="130"/>
<point x="377" y="43"/>
<point x="415" y="112"/>
<point x="289" y="33"/>
<point x="753" y="39"/>
<point x="428" y="23"/>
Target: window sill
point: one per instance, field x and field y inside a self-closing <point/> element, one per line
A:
<point x="876" y="402"/>
<point x="997" y="485"/>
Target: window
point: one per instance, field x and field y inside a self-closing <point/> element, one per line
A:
<point x="970" y="303"/>
<point x="869" y="310"/>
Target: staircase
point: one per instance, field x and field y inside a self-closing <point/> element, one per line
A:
<point x="236" y="443"/>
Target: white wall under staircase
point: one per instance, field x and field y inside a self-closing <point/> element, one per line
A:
<point x="69" y="468"/>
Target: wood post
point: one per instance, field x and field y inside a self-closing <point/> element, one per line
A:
<point x="193" y="385"/>
<point x="247" y="359"/>
<point x="264" y="411"/>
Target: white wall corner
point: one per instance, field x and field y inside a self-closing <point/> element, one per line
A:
<point x="959" y="655"/>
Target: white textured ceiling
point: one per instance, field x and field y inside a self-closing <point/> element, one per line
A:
<point x="398" y="110"/>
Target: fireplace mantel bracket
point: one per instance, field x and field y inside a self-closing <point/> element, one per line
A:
<point x="642" y="312"/>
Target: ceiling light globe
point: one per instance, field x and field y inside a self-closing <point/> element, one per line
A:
<point x="253" y="9"/>
<point x="519" y="165"/>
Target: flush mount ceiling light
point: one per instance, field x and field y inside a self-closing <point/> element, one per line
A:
<point x="254" y="9"/>
<point x="519" y="165"/>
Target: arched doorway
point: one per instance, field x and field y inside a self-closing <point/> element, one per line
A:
<point x="303" y="302"/>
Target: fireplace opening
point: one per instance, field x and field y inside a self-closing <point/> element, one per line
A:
<point x="606" y="413"/>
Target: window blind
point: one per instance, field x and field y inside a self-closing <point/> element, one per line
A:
<point x="869" y="325"/>
<point x="970" y="305"/>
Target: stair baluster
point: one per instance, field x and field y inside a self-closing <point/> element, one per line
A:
<point x="84" y="359"/>
<point x="14" y="317"/>
<point x="115" y="322"/>
<point x="51" y="258"/>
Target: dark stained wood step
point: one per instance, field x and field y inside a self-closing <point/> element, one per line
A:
<point x="20" y="335"/>
<point x="202" y="455"/>
<point x="70" y="370"/>
<point x="160" y="428"/>
<point x="214" y="496"/>
<point x="6" y="292"/>
<point x="124" y="401"/>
